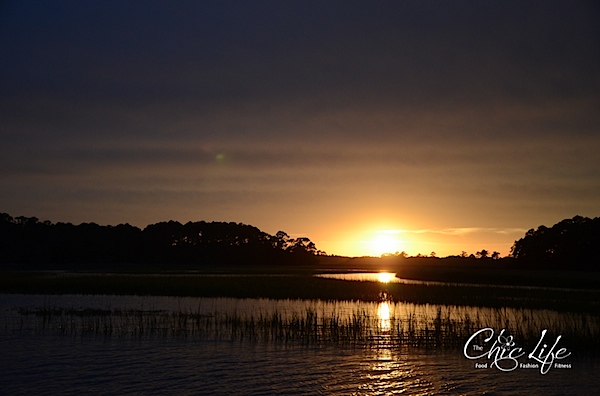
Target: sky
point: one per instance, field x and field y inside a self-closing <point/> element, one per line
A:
<point x="367" y="126"/>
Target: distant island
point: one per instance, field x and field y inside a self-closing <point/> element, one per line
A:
<point x="28" y="243"/>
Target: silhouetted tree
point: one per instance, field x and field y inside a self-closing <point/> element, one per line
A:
<point x="302" y="245"/>
<point x="482" y="254"/>
<point x="401" y="254"/>
<point x="570" y="243"/>
<point x="281" y="240"/>
<point x="27" y="240"/>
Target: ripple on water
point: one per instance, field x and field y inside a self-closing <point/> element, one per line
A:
<point x="75" y="365"/>
<point x="49" y="363"/>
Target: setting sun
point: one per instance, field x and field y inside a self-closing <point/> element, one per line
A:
<point x="385" y="241"/>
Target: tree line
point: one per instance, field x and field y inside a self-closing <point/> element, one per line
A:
<point x="52" y="245"/>
<point x="569" y="244"/>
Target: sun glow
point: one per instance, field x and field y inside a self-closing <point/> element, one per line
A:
<point x="374" y="239"/>
<point x="385" y="241"/>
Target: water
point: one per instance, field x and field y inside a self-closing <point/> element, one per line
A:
<point x="46" y="362"/>
<point x="388" y="277"/>
<point x="47" y="365"/>
<point x="383" y="316"/>
<point x="383" y="277"/>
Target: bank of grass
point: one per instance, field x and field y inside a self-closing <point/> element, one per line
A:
<point x="493" y="273"/>
<point x="289" y="286"/>
<point x="447" y="327"/>
<point x="467" y="270"/>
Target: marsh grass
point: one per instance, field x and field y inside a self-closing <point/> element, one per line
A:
<point x="436" y="327"/>
<point x="446" y="315"/>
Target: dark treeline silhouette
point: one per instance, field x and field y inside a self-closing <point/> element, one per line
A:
<point x="42" y="244"/>
<point x="27" y="242"/>
<point x="569" y="244"/>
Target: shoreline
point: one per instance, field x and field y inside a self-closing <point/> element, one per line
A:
<point x="303" y="285"/>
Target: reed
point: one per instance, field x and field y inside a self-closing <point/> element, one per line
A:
<point x="435" y="327"/>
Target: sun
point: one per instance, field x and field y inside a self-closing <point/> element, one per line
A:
<point x="383" y="244"/>
<point x="385" y="241"/>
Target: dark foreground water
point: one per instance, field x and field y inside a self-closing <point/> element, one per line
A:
<point x="52" y="365"/>
<point x="44" y="356"/>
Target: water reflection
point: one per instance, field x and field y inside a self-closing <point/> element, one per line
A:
<point x="394" y="372"/>
<point x="380" y="324"/>
<point x="383" y="315"/>
<point x="386" y="277"/>
<point x="162" y="357"/>
<point x="34" y="364"/>
<point x="381" y="277"/>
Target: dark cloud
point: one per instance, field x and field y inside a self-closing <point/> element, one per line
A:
<point x="217" y="52"/>
<point x="473" y="106"/>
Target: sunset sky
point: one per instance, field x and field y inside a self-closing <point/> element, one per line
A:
<point x="367" y="126"/>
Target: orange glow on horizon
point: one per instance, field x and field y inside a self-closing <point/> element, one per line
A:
<point x="385" y="241"/>
<point x="375" y="241"/>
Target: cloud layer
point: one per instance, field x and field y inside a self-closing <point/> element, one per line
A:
<point x="302" y="115"/>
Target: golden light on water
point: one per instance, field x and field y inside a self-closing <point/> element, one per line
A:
<point x="385" y="277"/>
<point x="383" y="315"/>
<point x="381" y="277"/>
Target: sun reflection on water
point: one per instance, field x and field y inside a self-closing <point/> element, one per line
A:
<point x="384" y="317"/>
<point x="385" y="277"/>
<point x="381" y="277"/>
